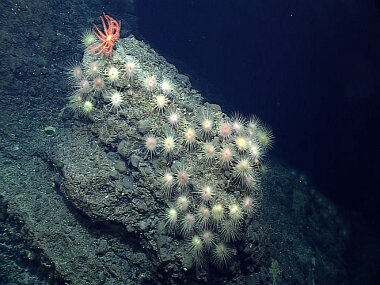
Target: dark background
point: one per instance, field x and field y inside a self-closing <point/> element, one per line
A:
<point x="310" y="69"/>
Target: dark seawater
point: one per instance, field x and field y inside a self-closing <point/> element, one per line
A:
<point x="309" y="69"/>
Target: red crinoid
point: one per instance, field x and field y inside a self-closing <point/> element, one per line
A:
<point x="107" y="38"/>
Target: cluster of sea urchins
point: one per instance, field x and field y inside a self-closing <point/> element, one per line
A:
<point x="209" y="215"/>
<point x="96" y="79"/>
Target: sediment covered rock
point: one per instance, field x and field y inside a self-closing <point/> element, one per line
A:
<point x="143" y="164"/>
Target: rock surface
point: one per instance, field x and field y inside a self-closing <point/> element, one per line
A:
<point x="132" y="198"/>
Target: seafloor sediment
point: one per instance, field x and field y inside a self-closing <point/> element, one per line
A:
<point x="110" y="232"/>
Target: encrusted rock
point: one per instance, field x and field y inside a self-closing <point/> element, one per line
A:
<point x="135" y="160"/>
<point x="120" y="166"/>
<point x="176" y="185"/>
<point x="124" y="149"/>
<point x="144" y="126"/>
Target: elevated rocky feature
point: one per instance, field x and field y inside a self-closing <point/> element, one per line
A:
<point x="166" y="185"/>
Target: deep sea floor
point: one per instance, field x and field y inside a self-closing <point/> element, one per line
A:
<point x="309" y="236"/>
<point x="44" y="239"/>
